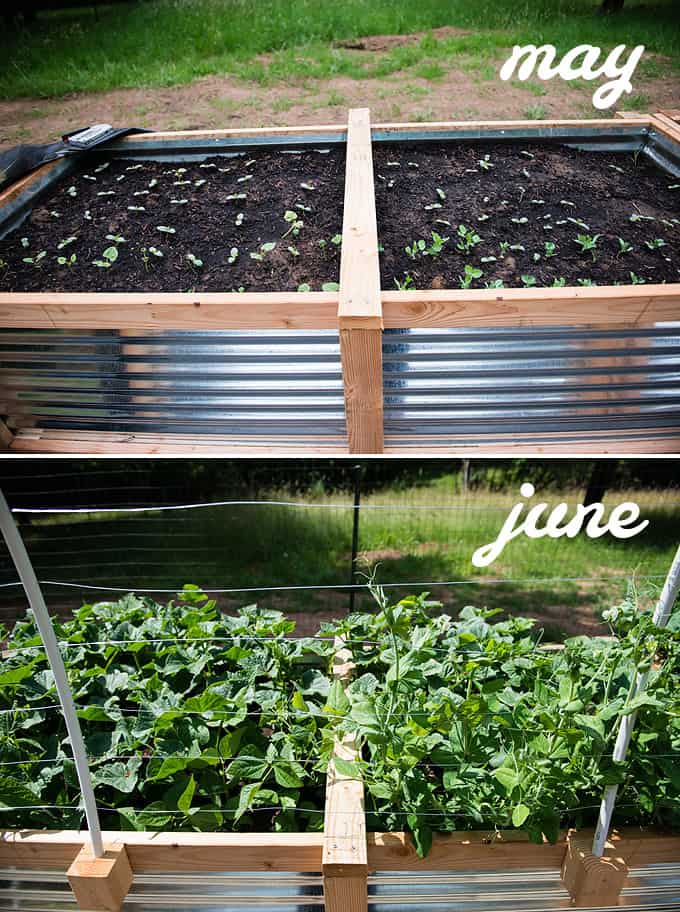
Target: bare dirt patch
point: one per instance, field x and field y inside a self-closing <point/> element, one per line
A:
<point x="387" y="42"/>
<point x="464" y="91"/>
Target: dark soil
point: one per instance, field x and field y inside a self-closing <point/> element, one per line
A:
<point x="205" y="226"/>
<point x="544" y="188"/>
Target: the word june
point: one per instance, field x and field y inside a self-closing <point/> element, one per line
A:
<point x="621" y="524"/>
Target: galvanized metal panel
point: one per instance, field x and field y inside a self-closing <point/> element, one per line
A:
<point x="652" y="887"/>
<point x="491" y="382"/>
<point x="279" y="382"/>
<point x="49" y="891"/>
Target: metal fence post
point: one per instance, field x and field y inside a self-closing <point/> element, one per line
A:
<point x="357" y="472"/>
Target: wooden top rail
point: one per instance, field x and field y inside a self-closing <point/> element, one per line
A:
<point x="602" y="306"/>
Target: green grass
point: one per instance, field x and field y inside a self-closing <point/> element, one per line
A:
<point x="171" y="42"/>
<point x="405" y="533"/>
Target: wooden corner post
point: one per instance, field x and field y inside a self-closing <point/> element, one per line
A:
<point x="101" y="884"/>
<point x="345" y="856"/>
<point x="360" y="319"/>
<point x="592" y="881"/>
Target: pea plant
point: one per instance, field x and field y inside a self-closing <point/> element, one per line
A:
<point x="468" y="723"/>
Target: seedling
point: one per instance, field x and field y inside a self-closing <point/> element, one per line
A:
<point x="528" y="280"/>
<point x="485" y="163"/>
<point x="470" y="273"/>
<point x="587" y="282"/>
<point x="431" y="206"/>
<point x="238" y="221"/>
<point x="521" y="220"/>
<point x="588" y="242"/>
<point x="304" y="287"/>
<point x="494" y="283"/>
<point x="636" y="279"/>
<point x="67" y="261"/>
<point x="264" y="249"/>
<point x="306" y="186"/>
<point x="109" y="257"/>
<point x="116" y="238"/>
<point x="101" y="167"/>
<point x="136" y="208"/>
<point x="154" y="251"/>
<point x="179" y="202"/>
<point x="441" y="194"/>
<point x="550" y="248"/>
<point x="66" y="242"/>
<point x="37" y="260"/>
<point x="153" y="182"/>
<point x="106" y="193"/>
<point x="406" y="284"/>
<point x="165" y="229"/>
<point x="233" y="255"/>
<point x="416" y="248"/>
<point x="89" y="177"/>
<point x="330" y="286"/>
<point x="24" y="242"/>
<point x="88" y="215"/>
<point x="295" y="223"/>
<point x="336" y="240"/>
<point x="655" y="244"/>
<point x="236" y="196"/>
<point x="72" y="191"/>
<point x="242" y="180"/>
<point x="467" y="239"/>
<point x="293" y="251"/>
<point x="194" y="260"/>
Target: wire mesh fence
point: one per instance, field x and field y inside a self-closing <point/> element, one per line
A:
<point x="302" y="536"/>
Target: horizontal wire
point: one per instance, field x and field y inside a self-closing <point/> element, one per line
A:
<point x="255" y="503"/>
<point x="345" y="586"/>
<point x="278" y="807"/>
<point x="300" y="760"/>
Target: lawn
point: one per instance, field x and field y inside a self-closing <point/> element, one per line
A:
<point x="420" y="535"/>
<point x="170" y="42"/>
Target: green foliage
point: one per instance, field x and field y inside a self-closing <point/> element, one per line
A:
<point x="196" y="720"/>
<point x="467" y="724"/>
<point x="184" y="711"/>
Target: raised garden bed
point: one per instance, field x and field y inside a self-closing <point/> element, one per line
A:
<point x="497" y="685"/>
<point x="624" y="334"/>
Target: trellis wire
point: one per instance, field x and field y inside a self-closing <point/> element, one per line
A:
<point x="405" y="584"/>
<point x="662" y="613"/>
<point x="35" y="598"/>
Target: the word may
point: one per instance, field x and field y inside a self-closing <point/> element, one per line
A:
<point x="619" y="524"/>
<point x="578" y="63"/>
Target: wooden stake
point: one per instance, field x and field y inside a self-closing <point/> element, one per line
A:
<point x="101" y="884"/>
<point x="360" y="308"/>
<point x="344" y="859"/>
<point x="590" y="880"/>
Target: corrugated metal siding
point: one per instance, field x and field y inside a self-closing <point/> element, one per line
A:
<point x="654" y="886"/>
<point x="479" y="382"/>
<point x="49" y="891"/>
<point x="491" y="382"/>
<point x="228" y="382"/>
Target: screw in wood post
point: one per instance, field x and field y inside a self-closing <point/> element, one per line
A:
<point x="360" y="319"/>
<point x="101" y="884"/>
<point x="591" y="880"/>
